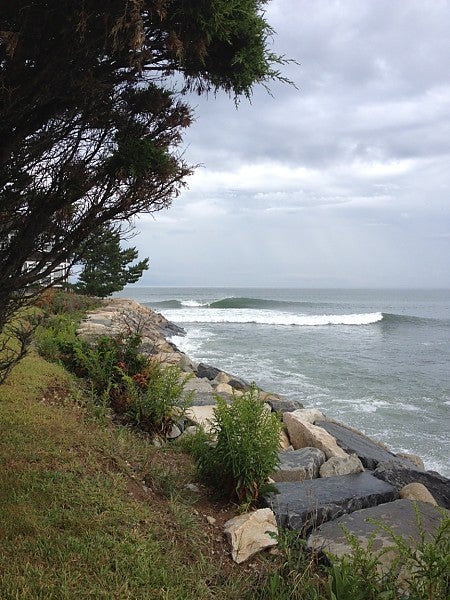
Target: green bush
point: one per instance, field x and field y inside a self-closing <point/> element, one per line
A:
<point x="157" y="398"/>
<point x="243" y="450"/>
<point x="56" y="338"/>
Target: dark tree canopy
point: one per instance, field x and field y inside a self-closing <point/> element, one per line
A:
<point x="106" y="267"/>
<point x="90" y="122"/>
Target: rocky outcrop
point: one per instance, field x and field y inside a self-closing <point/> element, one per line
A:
<point x="250" y="533"/>
<point x="304" y="505"/>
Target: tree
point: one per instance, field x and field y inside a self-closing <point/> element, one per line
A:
<point x="92" y="113"/>
<point x="106" y="266"/>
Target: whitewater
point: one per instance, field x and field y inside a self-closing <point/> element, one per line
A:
<point x="375" y="359"/>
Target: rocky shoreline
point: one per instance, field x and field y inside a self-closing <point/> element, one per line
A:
<point x="329" y="475"/>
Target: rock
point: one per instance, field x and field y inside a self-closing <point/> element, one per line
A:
<point x="285" y="442"/>
<point x="224" y="388"/>
<point x="309" y="414"/>
<point x="299" y="465"/>
<point x="221" y="377"/>
<point x="417" y="491"/>
<point x="303" y="505"/>
<point x="238" y="384"/>
<point x="250" y="533"/>
<point x="198" y="385"/>
<point x="173" y="433"/>
<point x="341" y="466"/>
<point x="202" y="415"/>
<point x="416" y="460"/>
<point x="399" y="516"/>
<point x="192" y="488"/>
<point x="368" y="451"/>
<point x="437" y="485"/>
<point x="207" y="371"/>
<point x="303" y="434"/>
<point x="203" y="399"/>
<point x="211" y="520"/>
<point x="282" y="405"/>
<point x="186" y="364"/>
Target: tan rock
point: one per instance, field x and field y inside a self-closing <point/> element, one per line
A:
<point x="303" y="435"/>
<point x="416" y="460"/>
<point x="221" y="378"/>
<point x="417" y="491"/>
<point x="250" y="533"/>
<point x="224" y="388"/>
<point x="309" y="414"/>
<point x="341" y="466"/>
<point x="285" y="442"/>
<point x="202" y="415"/>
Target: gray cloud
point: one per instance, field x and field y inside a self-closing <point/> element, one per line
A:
<point x="342" y="181"/>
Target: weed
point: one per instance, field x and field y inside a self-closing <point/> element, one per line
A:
<point x="245" y="449"/>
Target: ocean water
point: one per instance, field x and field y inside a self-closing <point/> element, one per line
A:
<point x="377" y="360"/>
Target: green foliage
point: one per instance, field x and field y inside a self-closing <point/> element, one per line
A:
<point x="157" y="400"/>
<point x="54" y="302"/>
<point x="245" y="448"/>
<point x="106" y="267"/>
<point x="418" y="570"/>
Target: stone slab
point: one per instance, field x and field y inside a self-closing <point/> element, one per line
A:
<point x="303" y="434"/>
<point x="400" y="516"/>
<point x="369" y="452"/>
<point x="282" y="405"/>
<point x="303" y="505"/>
<point x="299" y="465"/>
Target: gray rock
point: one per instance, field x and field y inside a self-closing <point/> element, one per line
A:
<point x="336" y="465"/>
<point x="282" y="405"/>
<point x="238" y="384"/>
<point x="198" y="385"/>
<point x="369" y="452"/>
<point x="299" y="465"/>
<point x="399" y="516"/>
<point x="173" y="433"/>
<point x="204" y="370"/>
<point x="436" y="484"/>
<point x="303" y="505"/>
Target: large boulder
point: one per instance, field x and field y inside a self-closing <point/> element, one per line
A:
<point x="250" y="533"/>
<point x="398" y="476"/>
<point x="299" y="465"/>
<point x="202" y="415"/>
<point x="303" y="434"/>
<point x="399" y="516"/>
<point x="196" y="384"/>
<point x="280" y="404"/>
<point x="417" y="492"/>
<point x="368" y="451"/>
<point x="304" y="505"/>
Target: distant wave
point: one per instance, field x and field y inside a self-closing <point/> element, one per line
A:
<point x="233" y="302"/>
<point x="210" y="315"/>
<point x="177" y="304"/>
<point x="405" y="319"/>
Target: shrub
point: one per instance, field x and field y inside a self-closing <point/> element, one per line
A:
<point x="245" y="448"/>
<point x="157" y="398"/>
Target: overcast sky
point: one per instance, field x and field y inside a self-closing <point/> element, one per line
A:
<point x="343" y="182"/>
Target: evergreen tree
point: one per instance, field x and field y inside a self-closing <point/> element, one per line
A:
<point x="106" y="266"/>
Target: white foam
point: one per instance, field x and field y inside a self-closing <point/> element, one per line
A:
<point x="192" y="303"/>
<point x="263" y="317"/>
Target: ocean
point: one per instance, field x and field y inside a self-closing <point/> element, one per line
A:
<point x="377" y="360"/>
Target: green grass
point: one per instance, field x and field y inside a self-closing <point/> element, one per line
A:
<point x="69" y="525"/>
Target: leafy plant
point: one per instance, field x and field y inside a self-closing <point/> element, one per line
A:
<point x="245" y="449"/>
<point x="157" y="398"/>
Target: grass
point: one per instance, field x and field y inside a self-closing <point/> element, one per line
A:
<point x="88" y="511"/>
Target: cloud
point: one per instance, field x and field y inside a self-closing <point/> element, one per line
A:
<point x="343" y="179"/>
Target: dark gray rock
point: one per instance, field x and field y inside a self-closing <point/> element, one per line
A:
<point x="303" y="505"/>
<point x="369" y="452"/>
<point x="282" y="405"/>
<point x="238" y="384"/>
<point x="437" y="485"/>
<point x="206" y="398"/>
<point x="399" y="516"/>
<point x="299" y="465"/>
<point x="207" y="371"/>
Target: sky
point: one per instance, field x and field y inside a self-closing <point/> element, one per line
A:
<point x="341" y="181"/>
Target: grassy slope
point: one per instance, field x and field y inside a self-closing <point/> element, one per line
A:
<point x="75" y="520"/>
